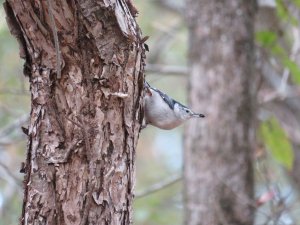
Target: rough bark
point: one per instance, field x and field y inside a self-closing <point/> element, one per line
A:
<point x="85" y="108"/>
<point x="218" y="150"/>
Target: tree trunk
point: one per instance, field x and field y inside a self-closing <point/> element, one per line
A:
<point x="218" y="150"/>
<point x="85" y="62"/>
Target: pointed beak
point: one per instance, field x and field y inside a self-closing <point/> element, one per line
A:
<point x="198" y="115"/>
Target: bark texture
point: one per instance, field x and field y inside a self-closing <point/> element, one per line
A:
<point x="85" y="108"/>
<point x="218" y="150"/>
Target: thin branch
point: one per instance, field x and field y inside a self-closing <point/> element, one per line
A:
<point x="294" y="52"/>
<point x="167" y="69"/>
<point x="272" y="78"/>
<point x="294" y="92"/>
<point x="55" y="36"/>
<point x="12" y="175"/>
<point x="269" y="3"/>
<point x="174" y="6"/>
<point x="11" y="140"/>
<point x="245" y="200"/>
<point x="159" y="186"/>
<point x="22" y="93"/>
<point x="163" y="40"/>
<point x="13" y="126"/>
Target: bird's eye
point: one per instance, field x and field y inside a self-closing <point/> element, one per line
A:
<point x="187" y="111"/>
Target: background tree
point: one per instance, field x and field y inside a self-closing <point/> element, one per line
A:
<point x="84" y="60"/>
<point x="218" y="169"/>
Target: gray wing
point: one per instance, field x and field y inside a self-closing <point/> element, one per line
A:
<point x="166" y="98"/>
<point x="170" y="101"/>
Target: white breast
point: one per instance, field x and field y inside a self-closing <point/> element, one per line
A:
<point x="158" y="113"/>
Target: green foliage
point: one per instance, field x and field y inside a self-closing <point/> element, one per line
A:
<point x="269" y="40"/>
<point x="277" y="142"/>
<point x="274" y="43"/>
<point x="162" y="207"/>
<point x="282" y="10"/>
<point x="294" y="69"/>
<point x="266" y="38"/>
<point x="284" y="14"/>
<point x="297" y="3"/>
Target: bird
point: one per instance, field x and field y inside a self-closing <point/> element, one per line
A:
<point x="163" y="111"/>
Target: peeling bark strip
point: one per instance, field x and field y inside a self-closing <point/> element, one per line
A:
<point x="84" y="127"/>
<point x="218" y="155"/>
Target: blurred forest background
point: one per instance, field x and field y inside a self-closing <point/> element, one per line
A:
<point x="159" y="153"/>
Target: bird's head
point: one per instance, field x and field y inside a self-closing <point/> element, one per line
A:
<point x="185" y="113"/>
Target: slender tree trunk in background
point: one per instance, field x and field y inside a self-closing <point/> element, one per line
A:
<point x="85" y="108"/>
<point x="218" y="150"/>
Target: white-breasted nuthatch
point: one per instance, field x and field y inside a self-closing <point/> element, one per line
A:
<point x="164" y="112"/>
